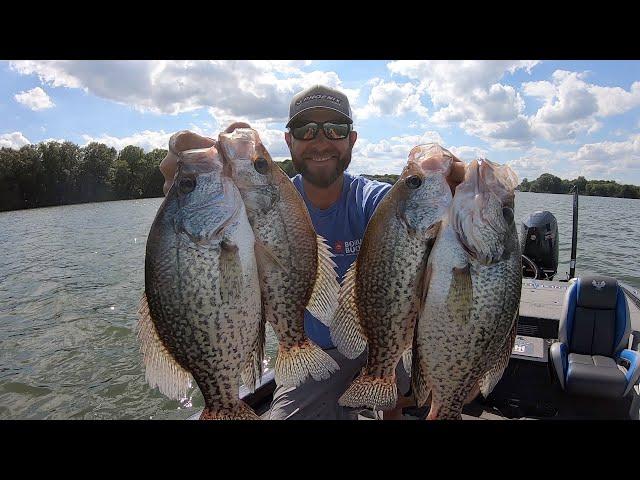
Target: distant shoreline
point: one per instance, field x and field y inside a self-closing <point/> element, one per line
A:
<point x="53" y="174"/>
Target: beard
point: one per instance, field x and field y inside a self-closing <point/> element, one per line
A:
<point x="322" y="179"/>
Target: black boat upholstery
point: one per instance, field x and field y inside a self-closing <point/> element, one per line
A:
<point x="590" y="357"/>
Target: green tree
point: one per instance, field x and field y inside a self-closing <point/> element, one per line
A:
<point x="547" y="183"/>
<point x="60" y="164"/>
<point x="152" y="179"/>
<point x="94" y="172"/>
<point x="287" y="167"/>
<point x="581" y="183"/>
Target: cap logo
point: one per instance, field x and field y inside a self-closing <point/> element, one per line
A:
<point x="318" y="96"/>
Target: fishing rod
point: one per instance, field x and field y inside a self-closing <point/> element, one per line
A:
<point x="574" y="234"/>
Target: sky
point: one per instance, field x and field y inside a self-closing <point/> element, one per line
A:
<point x="568" y="118"/>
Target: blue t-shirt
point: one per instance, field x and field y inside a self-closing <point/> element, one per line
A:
<point x="342" y="225"/>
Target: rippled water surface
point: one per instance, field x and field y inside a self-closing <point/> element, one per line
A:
<point x="71" y="278"/>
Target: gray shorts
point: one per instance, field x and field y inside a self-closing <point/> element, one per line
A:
<point x="313" y="400"/>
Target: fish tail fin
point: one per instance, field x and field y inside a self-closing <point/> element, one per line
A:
<point x="252" y="371"/>
<point x="324" y="298"/>
<point x="295" y="364"/>
<point x="238" y="411"/>
<point x="161" y="369"/>
<point x="371" y="392"/>
<point x="345" y="329"/>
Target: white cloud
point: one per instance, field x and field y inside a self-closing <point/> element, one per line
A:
<point x="616" y="100"/>
<point x="572" y="106"/>
<point x="13" y="140"/>
<point x="388" y="155"/>
<point x="542" y="89"/>
<point x="607" y="159"/>
<point x="467" y="93"/>
<point x="147" y="140"/>
<point x="390" y="98"/>
<point x="534" y="162"/>
<point x="255" y="90"/>
<point x="467" y="153"/>
<point x="35" y="99"/>
<point x="273" y="139"/>
<point x="515" y="133"/>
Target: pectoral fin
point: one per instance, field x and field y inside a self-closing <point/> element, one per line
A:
<point x="252" y="372"/>
<point x="230" y="271"/>
<point x="460" y="298"/>
<point x="265" y="253"/>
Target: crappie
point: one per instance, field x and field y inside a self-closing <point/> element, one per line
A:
<point x="467" y="327"/>
<point x="382" y="290"/>
<point x="200" y="315"/>
<point x="294" y="264"/>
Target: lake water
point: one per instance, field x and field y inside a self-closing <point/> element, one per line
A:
<point x="71" y="278"/>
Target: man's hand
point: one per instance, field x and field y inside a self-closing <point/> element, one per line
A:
<point x="186" y="140"/>
<point x="179" y="142"/>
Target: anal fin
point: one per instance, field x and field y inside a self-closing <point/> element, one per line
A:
<point x="494" y="374"/>
<point x="161" y="369"/>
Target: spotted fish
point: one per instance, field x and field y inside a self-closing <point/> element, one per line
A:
<point x="382" y="291"/>
<point x="467" y="327"/>
<point x="294" y="263"/>
<point x="201" y="314"/>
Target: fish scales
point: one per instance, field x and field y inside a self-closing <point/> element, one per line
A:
<point x="295" y="266"/>
<point x="473" y="295"/>
<point x="382" y="292"/>
<point x="201" y="285"/>
<point x="389" y="274"/>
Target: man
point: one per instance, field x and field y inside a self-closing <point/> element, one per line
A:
<point x="320" y="138"/>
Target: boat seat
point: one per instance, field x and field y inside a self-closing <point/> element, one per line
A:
<point x="591" y="355"/>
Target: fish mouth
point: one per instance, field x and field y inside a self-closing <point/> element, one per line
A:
<point x="486" y="186"/>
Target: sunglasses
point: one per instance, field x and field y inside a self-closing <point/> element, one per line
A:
<point x="333" y="131"/>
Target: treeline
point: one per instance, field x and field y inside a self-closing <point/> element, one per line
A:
<point x="54" y="173"/>
<point x="390" y="178"/>
<point x="548" y="183"/>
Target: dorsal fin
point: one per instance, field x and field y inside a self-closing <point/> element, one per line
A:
<point x="324" y="298"/>
<point x="161" y="369"/>
<point x="346" y="332"/>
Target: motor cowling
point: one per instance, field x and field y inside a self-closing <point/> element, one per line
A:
<point x="539" y="242"/>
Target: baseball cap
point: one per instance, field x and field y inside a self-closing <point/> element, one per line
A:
<point x="319" y="96"/>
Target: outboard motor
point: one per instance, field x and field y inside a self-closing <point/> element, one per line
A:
<point x="539" y="245"/>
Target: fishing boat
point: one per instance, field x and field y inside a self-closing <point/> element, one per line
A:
<point x="577" y="350"/>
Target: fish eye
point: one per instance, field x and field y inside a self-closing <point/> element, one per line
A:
<point x="507" y="213"/>
<point x="261" y="165"/>
<point x="413" y="182"/>
<point x="187" y="185"/>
